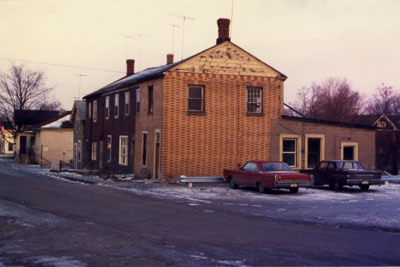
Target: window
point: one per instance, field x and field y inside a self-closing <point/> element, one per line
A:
<point x="151" y="101"/>
<point x="144" y="149"/>
<point x="90" y="110"/>
<point x="196" y="98"/>
<point x="314" y="147"/>
<point x="78" y="150"/>
<point x="109" y="148"/>
<point x="107" y="110"/>
<point x="127" y="107"/>
<point x="290" y="150"/>
<point x="94" y="151"/>
<point x="116" y="105"/>
<point x="94" y="111"/>
<point x="123" y="150"/>
<point x="254" y="100"/>
<point x="349" y="151"/>
<point x="138" y="101"/>
<point x="250" y="166"/>
<point x="10" y="147"/>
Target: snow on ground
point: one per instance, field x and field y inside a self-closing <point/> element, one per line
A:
<point x="377" y="208"/>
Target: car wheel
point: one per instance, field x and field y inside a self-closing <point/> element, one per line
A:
<point x="294" y="190"/>
<point x="364" y="187"/>
<point x="337" y="187"/>
<point x="260" y="187"/>
<point x="331" y="186"/>
<point x="232" y="183"/>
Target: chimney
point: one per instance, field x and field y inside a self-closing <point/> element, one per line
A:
<point x="130" y="67"/>
<point x="170" y="59"/>
<point x="223" y="30"/>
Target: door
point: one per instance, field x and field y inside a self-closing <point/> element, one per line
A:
<point x="157" y="155"/>
<point x="101" y="155"/>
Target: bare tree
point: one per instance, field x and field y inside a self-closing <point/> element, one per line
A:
<point x="22" y="89"/>
<point x="332" y="99"/>
<point x="384" y="101"/>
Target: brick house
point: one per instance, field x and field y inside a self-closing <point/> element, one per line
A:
<point x="214" y="110"/>
<point x="78" y="119"/>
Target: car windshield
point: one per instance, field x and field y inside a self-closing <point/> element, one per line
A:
<point x="351" y="165"/>
<point x="276" y="167"/>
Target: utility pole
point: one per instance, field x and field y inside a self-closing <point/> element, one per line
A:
<point x="173" y="35"/>
<point x="183" y="29"/>
<point x="80" y="77"/>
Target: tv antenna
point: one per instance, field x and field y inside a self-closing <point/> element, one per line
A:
<point x="127" y="38"/>
<point x="80" y="78"/>
<point x="183" y="29"/>
<point x="173" y="35"/>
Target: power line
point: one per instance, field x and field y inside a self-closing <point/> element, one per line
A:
<point x="60" y="65"/>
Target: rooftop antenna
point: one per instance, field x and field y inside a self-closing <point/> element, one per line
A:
<point x="183" y="29"/>
<point x="127" y="38"/>
<point x="230" y="33"/>
<point x="173" y="35"/>
<point x="80" y="78"/>
<point x="140" y="36"/>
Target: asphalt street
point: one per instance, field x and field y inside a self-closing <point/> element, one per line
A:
<point x="45" y="222"/>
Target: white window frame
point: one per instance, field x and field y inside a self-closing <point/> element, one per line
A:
<point x="252" y="99"/>
<point x="127" y="103"/>
<point x="107" y="107"/>
<point x="137" y="106"/>
<point x="123" y="150"/>
<point x="94" y="151"/>
<point x="116" y="105"/>
<point x="95" y="111"/>
<point x="90" y="110"/>
<point x="298" y="158"/>
<point x="109" y="148"/>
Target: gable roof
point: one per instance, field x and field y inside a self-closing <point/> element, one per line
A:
<point x="79" y="108"/>
<point x="373" y="119"/>
<point x="156" y="72"/>
<point x="29" y="118"/>
<point x="62" y="122"/>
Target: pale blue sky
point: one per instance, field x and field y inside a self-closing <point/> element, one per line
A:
<point x="308" y="40"/>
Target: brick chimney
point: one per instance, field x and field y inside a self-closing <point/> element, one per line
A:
<point x="223" y="30"/>
<point x="130" y="67"/>
<point x="170" y="59"/>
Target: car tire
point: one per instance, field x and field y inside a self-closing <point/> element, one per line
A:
<point x="337" y="187"/>
<point x="294" y="190"/>
<point x="364" y="187"/>
<point x="260" y="188"/>
<point x="232" y="183"/>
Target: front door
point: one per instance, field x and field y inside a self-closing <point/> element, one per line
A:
<point x="157" y="155"/>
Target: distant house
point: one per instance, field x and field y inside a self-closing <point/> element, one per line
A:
<point x="6" y="138"/>
<point x="78" y="119"/>
<point x="214" y="110"/>
<point x="54" y="141"/>
<point x="387" y="140"/>
<point x="26" y="122"/>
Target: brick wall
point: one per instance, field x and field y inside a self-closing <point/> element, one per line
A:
<point x="334" y="136"/>
<point x="225" y="135"/>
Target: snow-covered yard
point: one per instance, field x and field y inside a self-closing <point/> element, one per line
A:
<point x="378" y="208"/>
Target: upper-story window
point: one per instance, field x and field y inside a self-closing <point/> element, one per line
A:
<point x="94" y="111"/>
<point x="107" y="108"/>
<point x="127" y="101"/>
<point x="138" y="101"/>
<point x="116" y="105"/>
<point x="195" y="98"/>
<point x="151" y="101"/>
<point x="90" y="110"/>
<point x="254" y="100"/>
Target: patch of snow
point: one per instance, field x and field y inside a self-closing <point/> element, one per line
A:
<point x="63" y="261"/>
<point x="58" y="123"/>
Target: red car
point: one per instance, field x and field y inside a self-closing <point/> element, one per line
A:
<point x="267" y="174"/>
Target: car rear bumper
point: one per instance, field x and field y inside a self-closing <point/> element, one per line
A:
<point x="364" y="182"/>
<point x="292" y="183"/>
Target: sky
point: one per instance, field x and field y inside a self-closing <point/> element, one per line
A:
<point x="84" y="43"/>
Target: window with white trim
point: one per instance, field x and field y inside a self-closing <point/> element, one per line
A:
<point x="94" y="111"/>
<point x="138" y="101"/>
<point x="254" y="100"/>
<point x="94" y="150"/>
<point x="109" y="148"/>
<point x="123" y="150"/>
<point x="290" y="150"/>
<point x="127" y="101"/>
<point x="107" y="108"/>
<point x="90" y="110"/>
<point x="116" y="105"/>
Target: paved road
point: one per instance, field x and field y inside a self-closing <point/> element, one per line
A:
<point x="47" y="221"/>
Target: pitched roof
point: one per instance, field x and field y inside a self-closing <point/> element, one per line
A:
<point x="372" y="119"/>
<point x="156" y="72"/>
<point x="62" y="123"/>
<point x="29" y="118"/>
<point x="79" y="108"/>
